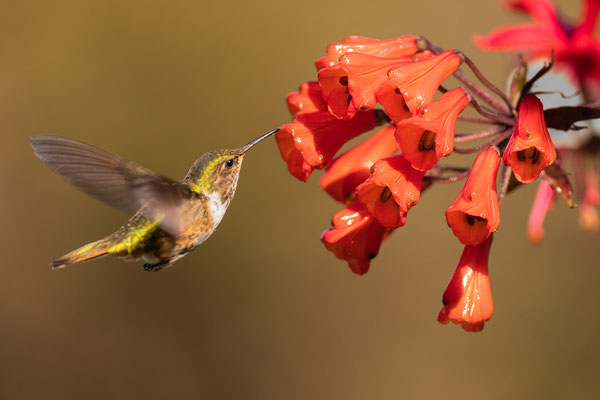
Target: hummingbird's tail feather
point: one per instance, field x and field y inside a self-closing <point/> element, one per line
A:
<point x="84" y="253"/>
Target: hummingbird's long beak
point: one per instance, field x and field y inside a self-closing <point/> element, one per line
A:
<point x="252" y="143"/>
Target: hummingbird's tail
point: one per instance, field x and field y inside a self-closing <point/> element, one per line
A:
<point x="84" y="253"/>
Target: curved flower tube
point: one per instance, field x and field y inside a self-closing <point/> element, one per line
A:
<point x="355" y="236"/>
<point x="308" y="98"/>
<point x="428" y="136"/>
<point x="475" y="213"/>
<point x="419" y="81"/>
<point x="403" y="46"/>
<point x="313" y="139"/>
<point x="393" y="188"/>
<point x="530" y="148"/>
<point x="352" y="168"/>
<point x="468" y="297"/>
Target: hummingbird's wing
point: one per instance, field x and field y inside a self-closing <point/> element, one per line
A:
<point x="120" y="183"/>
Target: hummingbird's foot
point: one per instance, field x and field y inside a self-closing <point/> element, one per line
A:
<point x="157" y="266"/>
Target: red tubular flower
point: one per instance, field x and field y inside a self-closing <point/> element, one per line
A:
<point x="530" y="149"/>
<point x="419" y="81"/>
<point x="356" y="237"/>
<point x="312" y="139"/>
<point x="423" y="55"/>
<point x="402" y="46"/>
<point x="468" y="297"/>
<point x="391" y="190"/>
<point x="366" y="73"/>
<point x="308" y="98"/>
<point x="429" y="135"/>
<point x="574" y="46"/>
<point x="351" y="168"/>
<point x="334" y="84"/>
<point x="544" y="200"/>
<point x="475" y="213"/>
<point x="390" y="97"/>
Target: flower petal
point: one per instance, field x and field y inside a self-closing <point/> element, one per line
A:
<point x="468" y="297"/>
<point x="355" y="236"/>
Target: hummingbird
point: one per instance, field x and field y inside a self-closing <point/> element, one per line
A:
<point x="170" y="218"/>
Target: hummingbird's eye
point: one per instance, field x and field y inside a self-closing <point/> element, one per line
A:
<point x="229" y="163"/>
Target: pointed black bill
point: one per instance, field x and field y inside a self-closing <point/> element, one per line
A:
<point x="255" y="141"/>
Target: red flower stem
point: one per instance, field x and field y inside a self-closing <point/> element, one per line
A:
<point x="480" y="92"/>
<point x="489" y="114"/>
<point x="488" y="84"/>
<point x="467" y="137"/>
<point x="476" y="120"/>
<point x="474" y="149"/>
<point x="448" y="179"/>
<point x="506" y="173"/>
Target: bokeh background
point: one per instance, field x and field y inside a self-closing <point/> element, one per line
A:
<point x="261" y="310"/>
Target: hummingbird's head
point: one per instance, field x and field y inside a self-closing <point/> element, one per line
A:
<point x="219" y="170"/>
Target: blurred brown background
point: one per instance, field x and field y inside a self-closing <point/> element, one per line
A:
<point x="261" y="310"/>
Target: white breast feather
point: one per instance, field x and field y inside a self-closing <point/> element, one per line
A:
<point x="217" y="208"/>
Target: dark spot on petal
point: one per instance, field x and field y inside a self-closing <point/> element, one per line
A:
<point x="397" y="91"/>
<point x="470" y="219"/>
<point x="372" y="256"/>
<point x="349" y="99"/>
<point x="532" y="154"/>
<point x="386" y="193"/>
<point x="535" y="157"/>
<point x="412" y="204"/>
<point x="427" y="141"/>
<point x="344" y="80"/>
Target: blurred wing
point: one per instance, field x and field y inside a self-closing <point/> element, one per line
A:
<point x="120" y="183"/>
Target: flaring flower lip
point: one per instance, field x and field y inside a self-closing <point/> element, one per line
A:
<point x="313" y="139"/>
<point x="475" y="213"/>
<point x="419" y="81"/>
<point x="530" y="148"/>
<point x="355" y="236"/>
<point x="402" y="46"/>
<point x="468" y="297"/>
<point x="390" y="97"/>
<point x="308" y="98"/>
<point x="334" y="85"/>
<point x="393" y="188"/>
<point x="352" y="168"/>
<point x="428" y="136"/>
<point x="366" y="73"/>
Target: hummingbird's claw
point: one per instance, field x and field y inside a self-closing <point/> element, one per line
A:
<point x="156" y="267"/>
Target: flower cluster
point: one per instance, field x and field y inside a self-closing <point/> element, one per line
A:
<point x="577" y="52"/>
<point x="396" y="86"/>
